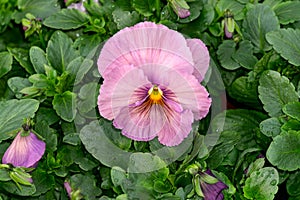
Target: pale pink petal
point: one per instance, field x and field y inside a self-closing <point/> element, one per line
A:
<point x="24" y="151"/>
<point x="200" y="56"/>
<point x="186" y="90"/>
<point x="168" y="121"/>
<point x="146" y="43"/>
<point x="141" y="123"/>
<point x="117" y="90"/>
<point x="176" y="128"/>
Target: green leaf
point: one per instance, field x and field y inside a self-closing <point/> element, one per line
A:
<point x="272" y="3"/>
<point x="48" y="134"/>
<point x="225" y="52"/>
<point x="275" y="91"/>
<point x="85" y="163"/>
<point x="13" y="113"/>
<point x="262" y="184"/>
<point x="38" y="8"/>
<point x="88" y="95"/>
<point x="60" y="51"/>
<point x="294" y="197"/>
<point x="16" y="84"/>
<point x="284" y="151"/>
<point x="291" y="124"/>
<point x="79" y="68"/>
<point x="227" y="141"/>
<point x="162" y="186"/>
<point x="72" y="138"/>
<point x="117" y="138"/>
<point x="38" y="59"/>
<point x="39" y="81"/>
<point x="255" y="166"/>
<point x="146" y="7"/>
<point x="287" y="43"/>
<point x="292" y="184"/>
<point x="22" y="56"/>
<point x="287" y="12"/>
<point x="144" y="163"/>
<point x="244" y="55"/>
<point x="260" y="20"/>
<point x="125" y="18"/>
<point x="117" y="176"/>
<point x="66" y="19"/>
<point x="48" y="115"/>
<point x="207" y="17"/>
<point x="243" y="158"/>
<point x="65" y="105"/>
<point x="270" y="127"/>
<point x="42" y="181"/>
<point x="86" y="184"/>
<point x="242" y="121"/>
<point x="4" y="175"/>
<point x="244" y="91"/>
<point x="5" y="63"/>
<point x="12" y="188"/>
<point x="87" y="44"/>
<point x="234" y="6"/>
<point x="95" y="140"/>
<point x="293" y="110"/>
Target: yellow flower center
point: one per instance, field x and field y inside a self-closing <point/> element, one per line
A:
<point x="155" y="94"/>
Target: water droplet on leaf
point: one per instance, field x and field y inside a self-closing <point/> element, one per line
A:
<point x="273" y="182"/>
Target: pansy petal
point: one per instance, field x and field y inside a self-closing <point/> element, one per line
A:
<point x="117" y="90"/>
<point x="176" y="128"/>
<point x="140" y="123"/>
<point x="187" y="90"/>
<point x="200" y="56"/>
<point x="145" y="43"/>
<point x="213" y="191"/>
<point x="24" y="151"/>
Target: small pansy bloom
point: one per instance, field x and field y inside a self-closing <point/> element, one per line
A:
<point x="152" y="84"/>
<point x="25" y="150"/>
<point x="211" y="191"/>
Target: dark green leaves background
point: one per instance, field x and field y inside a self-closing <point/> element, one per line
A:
<point x="51" y="75"/>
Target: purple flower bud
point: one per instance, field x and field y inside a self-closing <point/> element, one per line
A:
<point x="68" y="188"/>
<point x="24" y="151"/>
<point x="260" y="156"/>
<point x="226" y="31"/>
<point x="180" y="7"/>
<point x="183" y="13"/>
<point x="229" y="24"/>
<point x="77" y="6"/>
<point x="211" y="191"/>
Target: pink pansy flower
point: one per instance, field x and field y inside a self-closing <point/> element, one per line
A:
<point x="152" y="81"/>
<point x="24" y="151"/>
